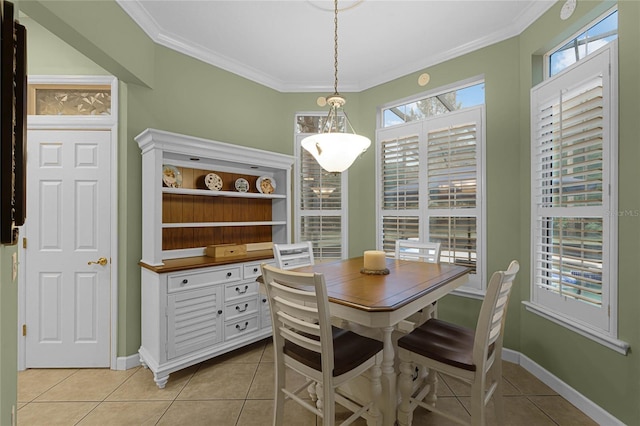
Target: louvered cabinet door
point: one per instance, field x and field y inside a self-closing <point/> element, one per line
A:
<point x="194" y="320"/>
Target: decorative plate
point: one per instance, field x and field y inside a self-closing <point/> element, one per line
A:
<point x="242" y="185"/>
<point x="213" y="182"/>
<point x="266" y="185"/>
<point x="171" y="176"/>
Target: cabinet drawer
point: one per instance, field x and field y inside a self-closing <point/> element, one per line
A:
<point x="253" y="270"/>
<point x="235" y="291"/>
<point x="240" y="328"/>
<point x="194" y="280"/>
<point x="241" y="308"/>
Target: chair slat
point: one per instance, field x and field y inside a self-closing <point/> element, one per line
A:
<point x="300" y="340"/>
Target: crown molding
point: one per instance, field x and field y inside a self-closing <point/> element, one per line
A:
<point x="167" y="39"/>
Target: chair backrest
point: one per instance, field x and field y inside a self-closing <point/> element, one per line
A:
<point x="299" y="313"/>
<point x="416" y="250"/>
<point x="289" y="256"/>
<point x="490" y="328"/>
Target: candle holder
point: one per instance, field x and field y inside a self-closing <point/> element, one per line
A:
<point x="384" y="271"/>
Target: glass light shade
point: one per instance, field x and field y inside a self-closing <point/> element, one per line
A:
<point x="335" y="152"/>
<point x="323" y="192"/>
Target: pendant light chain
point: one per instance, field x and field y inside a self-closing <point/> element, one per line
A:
<point x="335" y="50"/>
<point x="335" y="149"/>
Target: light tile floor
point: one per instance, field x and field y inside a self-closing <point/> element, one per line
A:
<point x="236" y="389"/>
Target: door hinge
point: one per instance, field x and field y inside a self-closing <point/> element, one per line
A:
<point x="24" y="329"/>
<point x="24" y="242"/>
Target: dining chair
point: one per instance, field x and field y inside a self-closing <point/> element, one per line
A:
<point x="305" y="341"/>
<point x="418" y="250"/>
<point x="295" y="255"/>
<point x="425" y="252"/>
<point x="474" y="357"/>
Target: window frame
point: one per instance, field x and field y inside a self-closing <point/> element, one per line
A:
<point x="565" y="310"/>
<point x="587" y="27"/>
<point x="434" y="93"/>
<point x="342" y="213"/>
<point x="477" y="286"/>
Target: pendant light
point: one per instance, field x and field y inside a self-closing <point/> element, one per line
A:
<point x="334" y="150"/>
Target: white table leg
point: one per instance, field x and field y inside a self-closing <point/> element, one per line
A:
<point x="376" y="393"/>
<point x="389" y="395"/>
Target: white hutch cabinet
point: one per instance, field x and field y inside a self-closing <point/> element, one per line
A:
<point x="196" y="307"/>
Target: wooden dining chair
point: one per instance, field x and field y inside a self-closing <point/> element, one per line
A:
<point x="424" y="252"/>
<point x="305" y="341"/>
<point x="473" y="357"/>
<point x="295" y="255"/>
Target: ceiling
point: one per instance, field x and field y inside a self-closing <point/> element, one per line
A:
<point x="288" y="44"/>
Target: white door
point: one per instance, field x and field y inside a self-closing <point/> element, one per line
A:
<point x="68" y="232"/>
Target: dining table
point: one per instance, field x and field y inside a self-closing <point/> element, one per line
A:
<point x="384" y="301"/>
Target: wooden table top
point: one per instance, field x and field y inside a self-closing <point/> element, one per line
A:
<point x="406" y="282"/>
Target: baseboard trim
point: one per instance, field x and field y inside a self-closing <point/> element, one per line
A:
<point x="595" y="412"/>
<point x="127" y="362"/>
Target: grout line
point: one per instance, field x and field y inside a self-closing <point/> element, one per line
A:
<point x="50" y="387"/>
<point x="541" y="409"/>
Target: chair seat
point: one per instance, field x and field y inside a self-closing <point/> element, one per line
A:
<point x="442" y="341"/>
<point x="350" y="350"/>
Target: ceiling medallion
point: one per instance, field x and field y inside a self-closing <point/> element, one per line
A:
<point x="327" y="6"/>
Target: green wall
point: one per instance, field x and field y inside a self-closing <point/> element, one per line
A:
<point x="52" y="56"/>
<point x="164" y="89"/>
<point x="8" y="334"/>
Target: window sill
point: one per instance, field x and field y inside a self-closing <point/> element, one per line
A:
<point x="471" y="293"/>
<point x="608" y="341"/>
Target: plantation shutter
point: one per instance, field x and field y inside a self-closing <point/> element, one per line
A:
<point x="570" y="192"/>
<point x="399" y="162"/>
<point x="452" y="181"/>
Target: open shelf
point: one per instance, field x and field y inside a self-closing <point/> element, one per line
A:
<point x="209" y="193"/>
<point x="219" y="224"/>
<point x="177" y="220"/>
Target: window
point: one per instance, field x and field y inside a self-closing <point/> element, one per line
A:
<point x="587" y="42"/>
<point x="573" y="187"/>
<point x="430" y="176"/>
<point x="320" y="198"/>
<point x="429" y="106"/>
<point x="69" y="99"/>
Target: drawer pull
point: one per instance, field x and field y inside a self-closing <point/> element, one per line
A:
<point x="255" y="269"/>
<point x="264" y="300"/>
<point x="220" y="312"/>
<point x="246" y="287"/>
<point x="239" y="309"/>
<point x="238" y="327"/>
<point x="185" y="281"/>
<point x="229" y="274"/>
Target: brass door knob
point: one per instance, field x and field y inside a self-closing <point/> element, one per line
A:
<point x="102" y="261"/>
